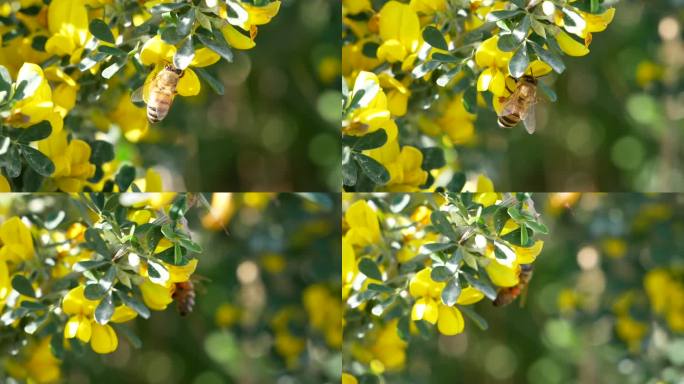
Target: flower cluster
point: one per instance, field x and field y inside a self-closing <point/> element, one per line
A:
<point x="417" y="72"/>
<point x="411" y="261"/>
<point x="73" y="269"/>
<point x="68" y="69"/>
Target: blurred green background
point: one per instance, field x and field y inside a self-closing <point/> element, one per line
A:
<point x="273" y="247"/>
<point x="597" y="248"/>
<point x="276" y="127"/>
<point x="618" y="123"/>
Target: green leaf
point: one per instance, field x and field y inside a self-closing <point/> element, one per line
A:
<point x="101" y="31"/>
<point x="507" y="43"/>
<point x="371" y="140"/>
<point x="102" y="152"/>
<point x="369" y="268"/>
<point x="521" y="30"/>
<point x="537" y="227"/>
<point x="451" y="292"/>
<point x="549" y="58"/>
<point x="523" y="234"/>
<point x="502" y="15"/>
<point x="134" y="304"/>
<point x="94" y="291"/>
<point x="217" y="43"/>
<point x="483" y="285"/>
<point x="168" y="7"/>
<point x="190" y="245"/>
<point x="5" y="83"/>
<point x="125" y="177"/>
<point x="475" y="317"/>
<point x="38" y="161"/>
<point x="12" y="162"/>
<point x="441" y="273"/>
<point x="457" y="182"/>
<point x="214" y="83"/>
<point x="36" y="132"/>
<point x="380" y="288"/>
<point x="433" y="158"/>
<point x="519" y="62"/>
<point x="111" y="70"/>
<point x="104" y="310"/>
<point x="184" y="55"/>
<point x="470" y="99"/>
<point x="96" y="243"/>
<point x="443" y="225"/>
<point x="373" y="169"/>
<point x="434" y="37"/>
<point x="515" y="214"/>
<point x="349" y="173"/>
<point x="438" y="247"/>
<point x="83" y="266"/>
<point x="113" y="51"/>
<point x="185" y="22"/>
<point x="22" y="285"/>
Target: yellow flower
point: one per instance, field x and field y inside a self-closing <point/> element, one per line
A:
<point x="614" y="247"/>
<point x="349" y="268"/>
<point x="429" y="306"/>
<point x="353" y="7"/>
<point x="485" y="191"/>
<point x="4" y="185"/>
<point x="42" y="367"/>
<point x="17" y="244"/>
<point x="236" y="39"/>
<point x="495" y="64"/>
<point x="68" y="24"/>
<point x="364" y="228"/>
<point x="37" y="104"/>
<point x="81" y="324"/>
<point x="255" y="15"/>
<point x="388" y="351"/>
<point x="157" y="297"/>
<point x="373" y="112"/>
<point x="428" y="7"/>
<point x="72" y="161"/>
<point x="456" y="122"/>
<point x="570" y="46"/>
<point x="131" y="120"/>
<point x="399" y="31"/>
<point x="222" y="210"/>
<point x="347" y="378"/>
<point x="404" y="166"/>
<point x="159" y="53"/>
<point x="5" y="284"/>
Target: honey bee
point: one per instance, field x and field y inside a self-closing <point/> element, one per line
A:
<point x="162" y="91"/>
<point x="520" y="105"/>
<point x="184" y="294"/>
<point x="507" y="295"/>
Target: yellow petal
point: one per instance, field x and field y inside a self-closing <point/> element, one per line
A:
<point x="399" y="22"/>
<point x="156" y="51"/>
<point x="16" y="237"/>
<point x="485" y="79"/>
<point x="104" y="339"/>
<point x="570" y="46"/>
<point x="419" y="285"/>
<point x="123" y="314"/>
<point x="450" y="321"/>
<point x="538" y="68"/>
<point x="425" y="309"/>
<point x="391" y="51"/>
<point x="528" y="255"/>
<point x="179" y="274"/>
<point x="498" y="85"/>
<point x="469" y="295"/>
<point x="156" y="297"/>
<point x="236" y="39"/>
<point x="204" y="57"/>
<point x="502" y="275"/>
<point x="189" y="84"/>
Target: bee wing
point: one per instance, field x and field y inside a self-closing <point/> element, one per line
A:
<point x="530" y="119"/>
<point x="510" y="105"/>
<point x="138" y="96"/>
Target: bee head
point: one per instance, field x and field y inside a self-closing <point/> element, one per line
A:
<point x="170" y="67"/>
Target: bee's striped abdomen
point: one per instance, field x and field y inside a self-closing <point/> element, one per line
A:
<point x="509" y="121"/>
<point x="158" y="107"/>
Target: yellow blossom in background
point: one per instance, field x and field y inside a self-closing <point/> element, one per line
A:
<point x="403" y="164"/>
<point x="131" y="120"/>
<point x="68" y="24"/>
<point x="71" y="159"/>
<point x="364" y="227"/>
<point x="399" y="30"/>
<point x="17" y="244"/>
<point x="226" y="315"/>
<point x="37" y="104"/>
